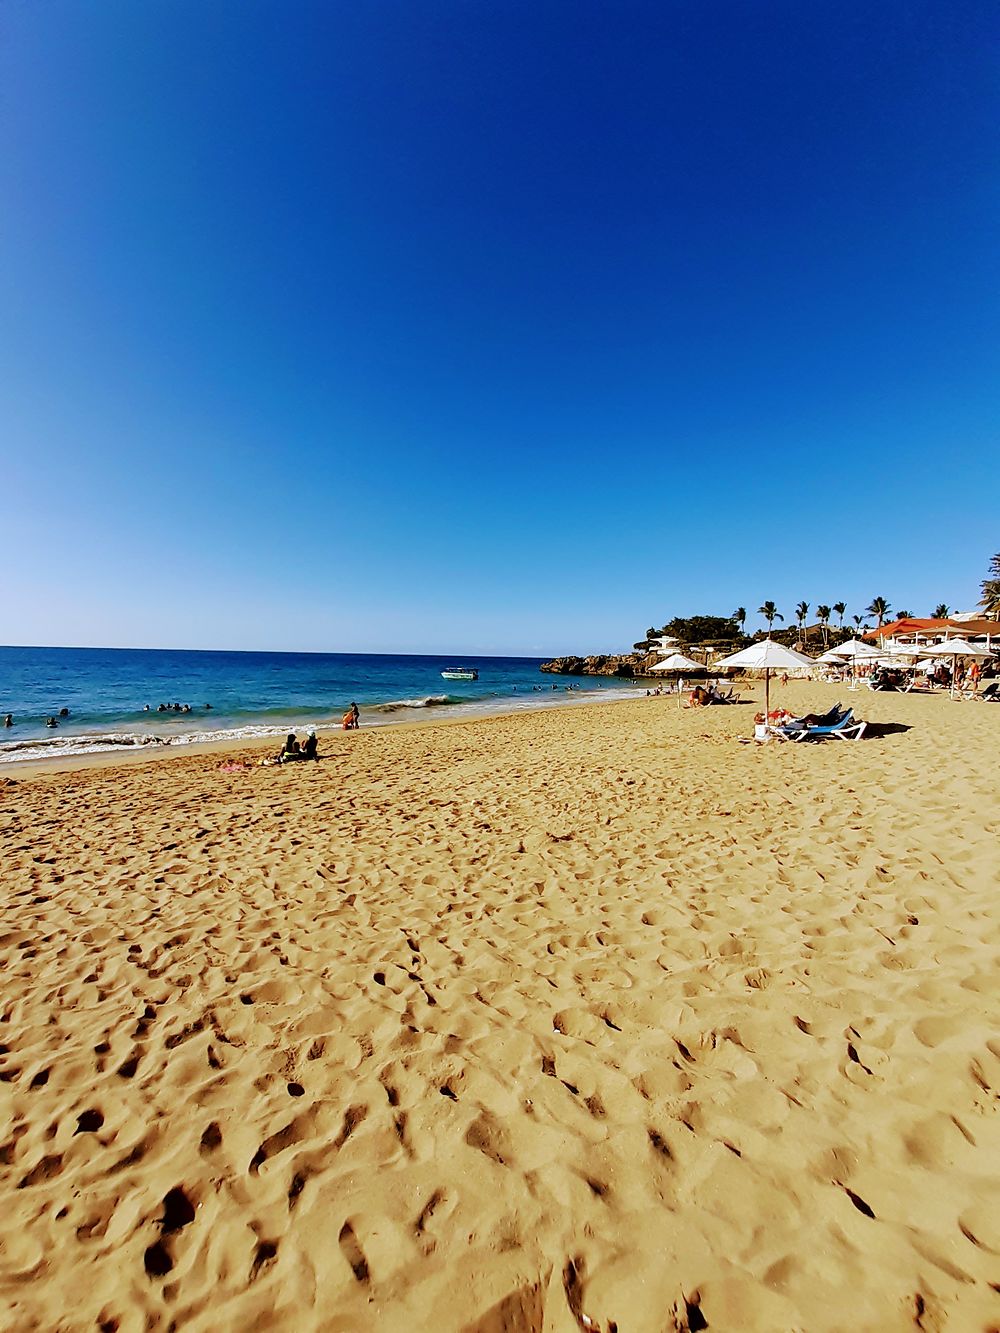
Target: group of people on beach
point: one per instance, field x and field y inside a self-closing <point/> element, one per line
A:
<point x="294" y="750"/>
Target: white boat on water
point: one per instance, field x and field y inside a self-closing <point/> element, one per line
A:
<point x="460" y="673"/>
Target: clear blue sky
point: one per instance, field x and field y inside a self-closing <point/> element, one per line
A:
<point x="486" y="326"/>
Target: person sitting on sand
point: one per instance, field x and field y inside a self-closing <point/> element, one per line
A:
<point x="699" y="698"/>
<point x="291" y="750"/>
<point x="310" y="746"/>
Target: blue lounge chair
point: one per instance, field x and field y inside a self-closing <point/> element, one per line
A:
<point x="841" y="728"/>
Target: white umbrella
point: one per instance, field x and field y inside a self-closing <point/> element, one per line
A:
<point x="677" y="662"/>
<point x="906" y="650"/>
<point x="767" y="656"/>
<point x="831" y="655"/>
<point x="854" y="648"/>
<point x="954" y="648"/>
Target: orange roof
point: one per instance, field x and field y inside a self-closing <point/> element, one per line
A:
<point x="913" y="626"/>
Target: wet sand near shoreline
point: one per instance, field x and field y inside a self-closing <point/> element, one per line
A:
<point x="588" y="1018"/>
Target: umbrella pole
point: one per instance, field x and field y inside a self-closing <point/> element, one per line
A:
<point x="767" y="699"/>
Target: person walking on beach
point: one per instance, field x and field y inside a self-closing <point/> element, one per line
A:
<point x="352" y="718"/>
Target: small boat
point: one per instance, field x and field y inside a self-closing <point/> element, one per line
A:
<point x="460" y="673"/>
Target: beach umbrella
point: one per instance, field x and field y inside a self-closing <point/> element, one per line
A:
<point x="767" y="656"/>
<point x="831" y="655"/>
<point x="677" y="662"/>
<point x="907" y="650"/>
<point x="954" y="648"/>
<point x="854" y="649"/>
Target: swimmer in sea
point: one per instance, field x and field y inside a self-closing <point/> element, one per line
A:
<point x="8" y="719"/>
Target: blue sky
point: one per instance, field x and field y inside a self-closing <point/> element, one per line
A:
<point x="493" y="327"/>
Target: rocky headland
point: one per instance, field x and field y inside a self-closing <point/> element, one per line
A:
<point x="627" y="665"/>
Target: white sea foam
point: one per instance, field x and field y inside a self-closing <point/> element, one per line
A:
<point x="91" y="743"/>
<point x="68" y="747"/>
<point x="427" y="701"/>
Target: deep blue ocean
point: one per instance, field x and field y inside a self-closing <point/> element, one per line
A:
<point x="251" y="694"/>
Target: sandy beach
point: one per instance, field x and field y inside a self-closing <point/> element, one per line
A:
<point x="583" y="1019"/>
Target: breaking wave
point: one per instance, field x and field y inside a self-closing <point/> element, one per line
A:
<point x="68" y="747"/>
<point x="428" y="701"/>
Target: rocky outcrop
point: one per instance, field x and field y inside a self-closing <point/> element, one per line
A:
<point x="627" y="665"/>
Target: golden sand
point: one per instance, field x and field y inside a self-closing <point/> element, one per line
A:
<point x="584" y="1019"/>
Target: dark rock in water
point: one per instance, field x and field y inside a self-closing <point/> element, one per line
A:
<point x="624" y="665"/>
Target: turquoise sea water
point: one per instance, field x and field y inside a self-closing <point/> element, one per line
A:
<point x="251" y="694"/>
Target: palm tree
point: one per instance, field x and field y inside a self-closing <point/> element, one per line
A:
<point x="801" y="611"/>
<point x="840" y="608"/>
<point x="941" y="612"/>
<point x="770" y="613"/>
<point x="991" y="589"/>
<point x="879" y="607"/>
<point x="824" y="616"/>
<point x="740" y="616"/>
<point x="857" y="621"/>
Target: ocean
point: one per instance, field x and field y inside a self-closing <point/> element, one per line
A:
<point x="107" y="691"/>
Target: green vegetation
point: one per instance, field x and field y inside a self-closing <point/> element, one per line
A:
<point x="696" y="629"/>
<point x="730" y="631"/>
<point x="991" y="589"/>
<point x="770" y="613"/>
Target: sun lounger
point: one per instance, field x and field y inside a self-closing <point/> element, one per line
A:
<point x="843" y="728"/>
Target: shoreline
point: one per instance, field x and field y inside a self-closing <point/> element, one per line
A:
<point x="374" y="717"/>
<point x="263" y="746"/>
